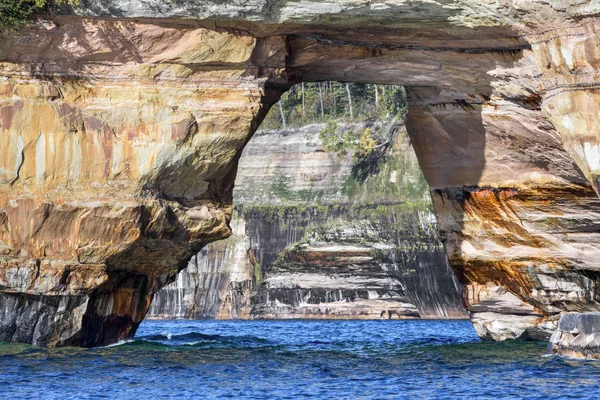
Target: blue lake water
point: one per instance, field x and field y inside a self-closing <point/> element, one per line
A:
<point x="298" y="359"/>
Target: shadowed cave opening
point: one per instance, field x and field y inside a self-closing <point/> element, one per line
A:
<point x="332" y="219"/>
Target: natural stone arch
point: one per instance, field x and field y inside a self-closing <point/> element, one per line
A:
<point x="495" y="167"/>
<point x="150" y="117"/>
<point x="321" y="231"/>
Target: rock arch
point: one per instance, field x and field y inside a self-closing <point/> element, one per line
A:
<point x="120" y="133"/>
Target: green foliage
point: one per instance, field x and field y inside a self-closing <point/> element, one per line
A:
<point x="383" y="168"/>
<point x="394" y="101"/>
<point x="309" y="195"/>
<point x="339" y="141"/>
<point x="366" y="144"/>
<point x="333" y="103"/>
<point x="369" y="147"/>
<point x="281" y="187"/>
<point x="330" y="138"/>
<point x="390" y="174"/>
<point x="328" y="101"/>
<point x="16" y="13"/>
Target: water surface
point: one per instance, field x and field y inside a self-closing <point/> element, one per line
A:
<point x="298" y="359"/>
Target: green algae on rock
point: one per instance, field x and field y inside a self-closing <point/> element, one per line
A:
<point x="369" y="252"/>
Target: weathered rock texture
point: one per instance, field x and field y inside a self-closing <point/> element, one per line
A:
<point x="217" y="283"/>
<point x="119" y="143"/>
<point x="120" y="129"/>
<point x="362" y="250"/>
<point x="577" y="336"/>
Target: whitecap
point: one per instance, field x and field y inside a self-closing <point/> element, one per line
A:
<point x="119" y="343"/>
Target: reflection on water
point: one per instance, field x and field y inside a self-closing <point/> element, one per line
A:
<point x="294" y="359"/>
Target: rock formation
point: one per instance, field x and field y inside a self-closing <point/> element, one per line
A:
<point x="121" y="123"/>
<point x="119" y="142"/>
<point x="362" y="250"/>
<point x="577" y="336"/>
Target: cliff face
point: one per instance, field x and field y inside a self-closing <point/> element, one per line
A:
<point x="577" y="336"/>
<point x="121" y="124"/>
<point x="217" y="283"/>
<point x="366" y="250"/>
<point x="118" y="147"/>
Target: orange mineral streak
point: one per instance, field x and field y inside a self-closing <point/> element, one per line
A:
<point x="119" y="142"/>
<point x="116" y="161"/>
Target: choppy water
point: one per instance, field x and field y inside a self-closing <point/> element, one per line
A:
<point x="298" y="359"/>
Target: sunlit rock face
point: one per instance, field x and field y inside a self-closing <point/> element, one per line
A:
<point x="577" y="336"/>
<point x="121" y="124"/>
<point x="364" y="250"/>
<point x="119" y="143"/>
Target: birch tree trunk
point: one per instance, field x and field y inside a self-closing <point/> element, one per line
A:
<point x="282" y="115"/>
<point x="350" y="101"/>
<point x="334" y="100"/>
<point x="321" y="99"/>
<point x="303" y="104"/>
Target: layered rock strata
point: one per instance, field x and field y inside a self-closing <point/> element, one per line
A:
<point x="577" y="336"/>
<point x="121" y="125"/>
<point x="217" y="283"/>
<point x="119" y="144"/>
<point x="362" y="250"/>
<point x="353" y="264"/>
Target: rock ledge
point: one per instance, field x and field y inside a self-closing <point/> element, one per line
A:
<point x="577" y="336"/>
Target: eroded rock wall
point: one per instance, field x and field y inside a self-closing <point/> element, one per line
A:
<point x="119" y="143"/>
<point x="351" y="249"/>
<point x="217" y="283"/>
<point x="355" y="262"/>
<point x="577" y="336"/>
<point x="121" y="126"/>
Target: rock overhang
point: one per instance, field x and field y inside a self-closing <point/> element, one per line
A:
<point x="152" y="103"/>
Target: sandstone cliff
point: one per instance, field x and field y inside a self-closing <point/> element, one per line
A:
<point x="121" y="124"/>
<point x="310" y="241"/>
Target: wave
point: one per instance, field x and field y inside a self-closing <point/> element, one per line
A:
<point x="182" y="336"/>
<point x="197" y="338"/>
<point x="119" y="343"/>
